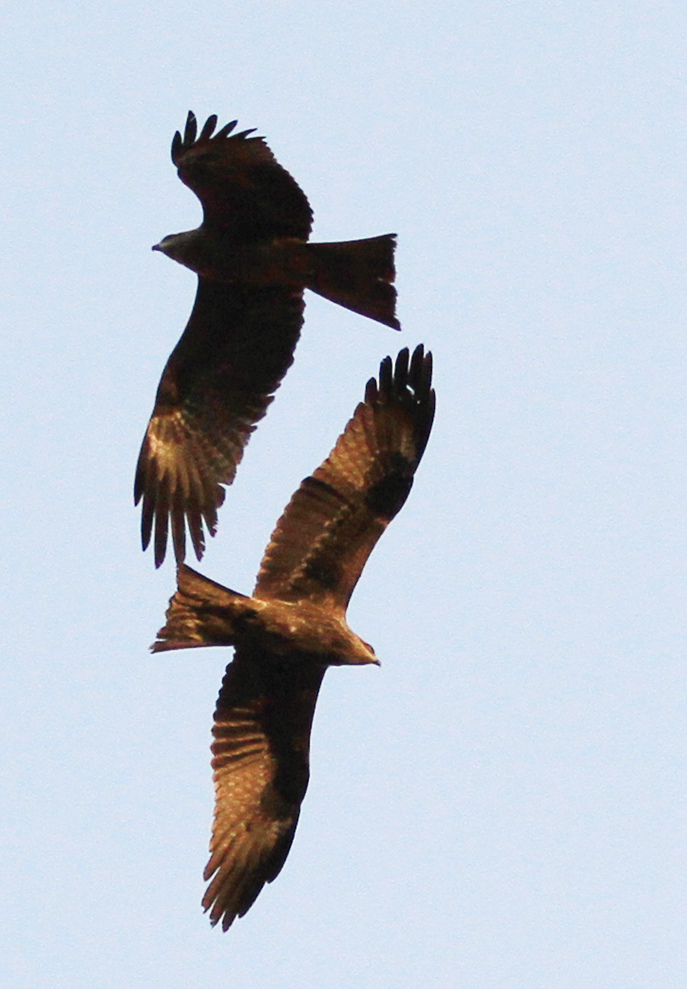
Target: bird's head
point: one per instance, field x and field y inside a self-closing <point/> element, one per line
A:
<point x="336" y="643"/>
<point x="183" y="247"/>
<point x="360" y="653"/>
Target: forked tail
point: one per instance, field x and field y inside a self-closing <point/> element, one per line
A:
<point x="201" y="613"/>
<point x="358" y="275"/>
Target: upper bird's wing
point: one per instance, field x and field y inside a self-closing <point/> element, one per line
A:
<point x="217" y="384"/>
<point x="333" y="521"/>
<point x="242" y="187"/>
<point x="261" y="767"/>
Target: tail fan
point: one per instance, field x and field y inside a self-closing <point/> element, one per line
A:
<point x="357" y="274"/>
<point x="201" y="613"/>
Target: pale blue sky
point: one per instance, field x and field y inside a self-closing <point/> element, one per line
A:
<point x="502" y="805"/>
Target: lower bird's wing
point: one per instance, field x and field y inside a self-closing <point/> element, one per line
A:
<point x="334" y="519"/>
<point x="261" y="767"/>
<point x="217" y="384"/>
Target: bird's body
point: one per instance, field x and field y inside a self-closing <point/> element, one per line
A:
<point x="253" y="261"/>
<point x="294" y="627"/>
<point x="335" y="271"/>
<point x="208" y="614"/>
<point x="282" y="261"/>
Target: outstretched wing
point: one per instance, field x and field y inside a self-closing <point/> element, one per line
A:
<point x="261" y="767"/>
<point x="242" y="187"/>
<point x="333" y="521"/>
<point x="217" y="384"/>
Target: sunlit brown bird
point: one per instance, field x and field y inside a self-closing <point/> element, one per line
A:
<point x="253" y="263"/>
<point x="294" y="627"/>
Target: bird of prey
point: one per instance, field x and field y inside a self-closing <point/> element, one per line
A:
<point x="253" y="263"/>
<point x="294" y="627"/>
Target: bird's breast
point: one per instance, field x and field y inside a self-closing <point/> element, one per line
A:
<point x="283" y="261"/>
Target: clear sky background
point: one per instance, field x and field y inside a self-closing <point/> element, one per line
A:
<point x="502" y="805"/>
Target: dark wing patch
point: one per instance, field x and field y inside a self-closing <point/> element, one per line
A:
<point x="333" y="521"/>
<point x="386" y="498"/>
<point x="242" y="187"/>
<point x="217" y="384"/>
<point x="261" y="768"/>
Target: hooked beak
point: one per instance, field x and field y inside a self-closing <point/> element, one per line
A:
<point x="372" y="654"/>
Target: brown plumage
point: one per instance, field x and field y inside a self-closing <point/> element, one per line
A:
<point x="294" y="627"/>
<point x="253" y="264"/>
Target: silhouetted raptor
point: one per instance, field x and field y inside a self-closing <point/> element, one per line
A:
<point x="253" y="263"/>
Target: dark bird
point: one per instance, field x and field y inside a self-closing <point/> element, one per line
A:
<point x="294" y="627"/>
<point x="253" y="264"/>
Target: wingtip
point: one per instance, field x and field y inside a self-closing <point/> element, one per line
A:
<point x="182" y="142"/>
<point x="227" y="129"/>
<point x="407" y="374"/>
<point x="191" y="128"/>
<point x="401" y="368"/>
<point x="208" y="128"/>
<point x="247" y="133"/>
